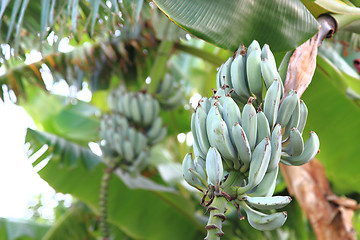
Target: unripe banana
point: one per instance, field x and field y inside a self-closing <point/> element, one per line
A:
<point x="266" y="53"/>
<point x="264" y="222"/>
<point x="270" y="74"/>
<point x="225" y="76"/>
<point x="272" y="102"/>
<point x="148" y="110"/>
<point x="258" y="165"/>
<point x="128" y="150"/>
<point x="189" y="177"/>
<point x="140" y="142"/>
<point x="196" y="147"/>
<point x="294" y="120"/>
<point x="238" y="75"/>
<point x="214" y="167"/>
<point x="296" y="143"/>
<point x="287" y="108"/>
<point x="276" y="140"/>
<point x="263" y="129"/>
<point x="219" y="79"/>
<point x="200" y="169"/>
<point x="175" y="100"/>
<point x="160" y="137"/>
<point x="267" y="186"/>
<point x="155" y="128"/>
<point x="140" y="163"/>
<point x="231" y="113"/>
<point x="205" y="104"/>
<point x="311" y="148"/>
<point x="252" y="47"/>
<point x="267" y="203"/>
<point x="249" y="123"/>
<point x="125" y="98"/>
<point x="253" y="71"/>
<point x="166" y="87"/>
<point x="303" y="116"/>
<point x="118" y="141"/>
<point x="218" y="135"/>
<point x="135" y="111"/>
<point x="242" y="145"/>
<point x="200" y="125"/>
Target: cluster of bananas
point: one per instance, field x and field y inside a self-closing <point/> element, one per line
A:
<point x="131" y="128"/>
<point x="169" y="93"/>
<point x="237" y="151"/>
<point x="247" y="71"/>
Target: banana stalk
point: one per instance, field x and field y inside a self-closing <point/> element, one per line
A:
<point x="217" y="216"/>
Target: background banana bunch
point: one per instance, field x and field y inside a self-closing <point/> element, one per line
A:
<point x="132" y="126"/>
<point x="170" y="93"/>
<point x="238" y="149"/>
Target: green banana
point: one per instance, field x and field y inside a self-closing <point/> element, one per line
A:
<point x="175" y="100"/>
<point x="267" y="54"/>
<point x="148" y="110"/>
<point x="267" y="203"/>
<point x="231" y="114"/>
<point x="238" y="75"/>
<point x="205" y="104"/>
<point x="200" y="168"/>
<point x="160" y="137"/>
<point x="219" y="136"/>
<point x="249" y="122"/>
<point x="267" y="186"/>
<point x="140" y="142"/>
<point x="276" y="148"/>
<point x="225" y="75"/>
<point x="155" y="128"/>
<point x="261" y="221"/>
<point x="253" y="71"/>
<point x="200" y="125"/>
<point x="311" y="148"/>
<point x="189" y="177"/>
<point x="287" y="108"/>
<point x="117" y="143"/>
<point x="196" y="147"/>
<point x="294" y="120"/>
<point x="263" y="129"/>
<point x="242" y="145"/>
<point x="214" y="167"/>
<point x="219" y="79"/>
<point x="254" y="46"/>
<point x="258" y="165"/>
<point x="126" y="98"/>
<point x="270" y="74"/>
<point x="296" y="143"/>
<point x="128" y="150"/>
<point x="303" y="116"/>
<point x="272" y="102"/>
<point x="166" y="87"/>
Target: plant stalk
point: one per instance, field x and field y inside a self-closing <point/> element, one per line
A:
<point x="217" y="211"/>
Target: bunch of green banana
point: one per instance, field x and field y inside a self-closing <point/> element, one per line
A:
<point x="124" y="142"/>
<point x="141" y="110"/>
<point x="247" y="71"/>
<point x="170" y="93"/>
<point x="248" y="144"/>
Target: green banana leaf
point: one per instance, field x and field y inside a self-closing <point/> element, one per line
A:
<point x="335" y="119"/>
<point x="16" y="229"/>
<point x="283" y="24"/>
<point x="74" y="224"/>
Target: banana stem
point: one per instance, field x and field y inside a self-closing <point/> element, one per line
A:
<point x="103" y="199"/>
<point x="159" y="68"/>
<point x="217" y="216"/>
